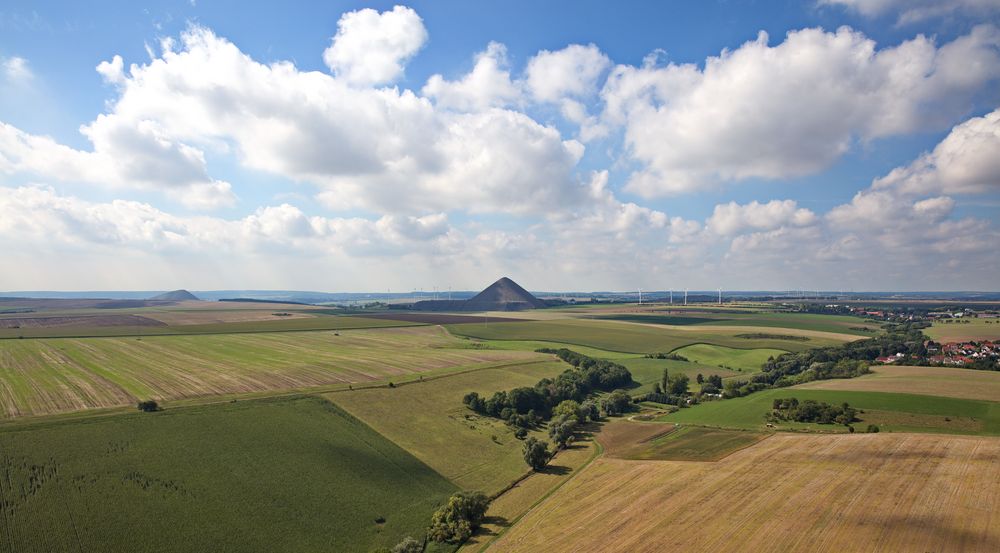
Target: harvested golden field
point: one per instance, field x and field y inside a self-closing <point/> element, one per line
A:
<point x="932" y="381"/>
<point x="53" y="375"/>
<point x="859" y="493"/>
<point x="963" y="330"/>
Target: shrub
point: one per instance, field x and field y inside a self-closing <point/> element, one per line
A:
<point x="147" y="406"/>
<point x="561" y="430"/>
<point x="616" y="403"/>
<point x="536" y="453"/>
<point x="408" y="545"/>
<point x="459" y="518"/>
<point x="569" y="408"/>
<point x="872" y="429"/>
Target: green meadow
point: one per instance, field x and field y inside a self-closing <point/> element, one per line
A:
<point x="473" y="451"/>
<point x="841" y="324"/>
<point x="624" y="337"/>
<point x="745" y="359"/>
<point x="891" y="412"/>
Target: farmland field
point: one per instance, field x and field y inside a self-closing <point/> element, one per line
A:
<point x="933" y="381"/>
<point x="802" y="321"/>
<point x="872" y="492"/>
<point x="281" y="324"/>
<point x="965" y="329"/>
<point x="42" y="376"/>
<point x="890" y="411"/>
<point x="746" y="359"/>
<point x="634" y="338"/>
<point x="687" y="443"/>
<point x="509" y="507"/>
<point x="474" y="451"/>
<point x="264" y="475"/>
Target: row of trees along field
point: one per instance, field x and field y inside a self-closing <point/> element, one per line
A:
<point x="841" y="361"/>
<point x="526" y="407"/>
<point x="564" y="401"/>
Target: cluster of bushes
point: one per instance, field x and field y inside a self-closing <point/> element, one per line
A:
<point x="710" y="385"/>
<point x="790" y="409"/>
<point x="566" y="417"/>
<point x="660" y="355"/>
<point x="670" y="390"/>
<point x="148" y="406"/>
<point x="408" y="545"/>
<point x="525" y="407"/>
<point x="536" y="453"/>
<point x="459" y="518"/>
<point x="600" y="373"/>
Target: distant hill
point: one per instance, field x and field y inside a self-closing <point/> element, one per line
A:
<point x="502" y="295"/>
<point x="506" y="291"/>
<point x="176" y="295"/>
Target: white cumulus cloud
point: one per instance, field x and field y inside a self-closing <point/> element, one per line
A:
<point x="572" y="71"/>
<point x="488" y="84"/>
<point x="913" y="11"/>
<point x="732" y="218"/>
<point x="967" y="161"/>
<point x="372" y="48"/>
<point x="791" y="109"/>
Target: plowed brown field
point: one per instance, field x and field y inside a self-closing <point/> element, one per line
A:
<point x="859" y="493"/>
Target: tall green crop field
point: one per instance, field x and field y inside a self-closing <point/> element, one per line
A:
<point x="266" y="475"/>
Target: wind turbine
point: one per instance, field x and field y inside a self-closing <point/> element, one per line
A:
<point x="640" y="296"/>
<point x="671" y="296"/>
<point x="685" y="296"/>
<point x="720" y="296"/>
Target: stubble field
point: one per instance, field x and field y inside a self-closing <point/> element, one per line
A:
<point x="873" y="492"/>
<point x="932" y="381"/>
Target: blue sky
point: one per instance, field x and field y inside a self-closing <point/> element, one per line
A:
<point x="335" y="146"/>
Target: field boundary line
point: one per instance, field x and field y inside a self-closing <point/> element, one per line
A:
<point x="598" y="451"/>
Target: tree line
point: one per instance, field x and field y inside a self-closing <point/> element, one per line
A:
<point x="526" y="407"/>
<point x="810" y="410"/>
<point x="841" y="361"/>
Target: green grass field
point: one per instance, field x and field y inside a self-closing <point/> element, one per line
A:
<point x="803" y="321"/>
<point x="649" y="371"/>
<point x="746" y="359"/>
<point x="429" y="420"/>
<point x="268" y="475"/>
<point x="43" y="376"/>
<point x="624" y="337"/>
<point x="891" y="412"/>
<point x="693" y="443"/>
